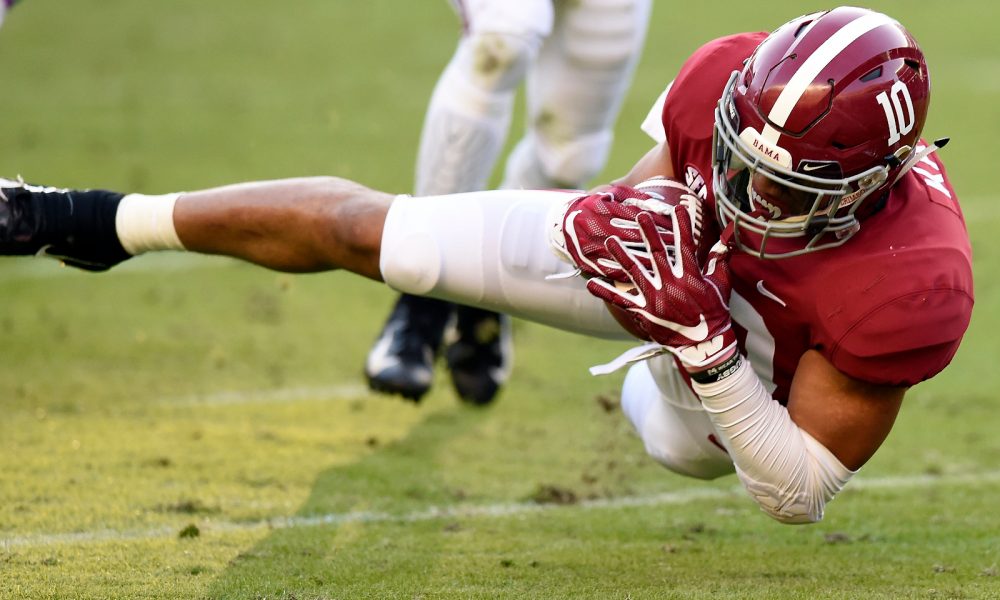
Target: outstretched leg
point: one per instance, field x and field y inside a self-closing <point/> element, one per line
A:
<point x="486" y="249"/>
<point x="295" y="225"/>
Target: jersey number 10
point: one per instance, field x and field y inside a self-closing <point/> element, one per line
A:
<point x="900" y="123"/>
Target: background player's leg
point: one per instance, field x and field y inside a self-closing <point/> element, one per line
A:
<point x="575" y="91"/>
<point x="464" y="131"/>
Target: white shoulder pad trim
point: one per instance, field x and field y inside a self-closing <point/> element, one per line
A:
<point x="653" y="123"/>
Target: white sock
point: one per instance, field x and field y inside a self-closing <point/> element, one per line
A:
<point x="146" y="223"/>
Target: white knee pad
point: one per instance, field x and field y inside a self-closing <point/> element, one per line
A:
<point x="675" y="432"/>
<point x="490" y="249"/>
<point x="469" y="113"/>
<point x="575" y="90"/>
<point x="537" y="162"/>
<point x="495" y="62"/>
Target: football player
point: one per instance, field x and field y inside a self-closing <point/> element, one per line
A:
<point x="549" y="45"/>
<point x="815" y="266"/>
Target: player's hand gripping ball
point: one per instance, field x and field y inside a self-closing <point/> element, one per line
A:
<point x="679" y="304"/>
<point x="590" y="220"/>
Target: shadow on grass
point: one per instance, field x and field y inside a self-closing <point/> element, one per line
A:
<point x="324" y="559"/>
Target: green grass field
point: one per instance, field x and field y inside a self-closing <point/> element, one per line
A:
<point x="187" y="427"/>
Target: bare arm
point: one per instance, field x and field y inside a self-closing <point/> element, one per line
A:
<point x="850" y="417"/>
<point x="655" y="163"/>
<point x="297" y="225"/>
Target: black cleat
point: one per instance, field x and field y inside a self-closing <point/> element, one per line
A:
<point x="76" y="227"/>
<point x="402" y="359"/>
<point x="480" y="359"/>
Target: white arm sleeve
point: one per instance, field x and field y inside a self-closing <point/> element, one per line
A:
<point x="790" y="474"/>
<point x="491" y="249"/>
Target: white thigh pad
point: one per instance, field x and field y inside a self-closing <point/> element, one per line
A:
<point x="491" y="250"/>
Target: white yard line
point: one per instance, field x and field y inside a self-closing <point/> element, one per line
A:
<point x="685" y="496"/>
<point x="342" y="391"/>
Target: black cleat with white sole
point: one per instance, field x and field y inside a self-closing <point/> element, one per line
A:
<point x="402" y="360"/>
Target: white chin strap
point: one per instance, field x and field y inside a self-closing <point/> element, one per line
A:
<point x="916" y="157"/>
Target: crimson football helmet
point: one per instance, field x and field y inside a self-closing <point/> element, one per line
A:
<point x="824" y="117"/>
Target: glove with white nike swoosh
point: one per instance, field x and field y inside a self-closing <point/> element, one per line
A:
<point x="592" y="219"/>
<point x="679" y="305"/>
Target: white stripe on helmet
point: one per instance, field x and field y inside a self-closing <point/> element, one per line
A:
<point x="812" y="67"/>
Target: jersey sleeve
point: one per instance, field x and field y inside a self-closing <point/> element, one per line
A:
<point x="905" y="341"/>
<point x="898" y="315"/>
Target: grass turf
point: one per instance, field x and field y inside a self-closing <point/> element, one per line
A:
<point x="188" y="427"/>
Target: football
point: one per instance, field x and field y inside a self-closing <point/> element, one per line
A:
<point x="673" y="193"/>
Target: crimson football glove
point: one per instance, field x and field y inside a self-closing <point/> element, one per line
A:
<point x="679" y="305"/>
<point x="590" y="220"/>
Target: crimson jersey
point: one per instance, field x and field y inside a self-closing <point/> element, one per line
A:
<point x="888" y="307"/>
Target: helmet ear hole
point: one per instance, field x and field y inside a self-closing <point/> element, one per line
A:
<point x="873" y="74"/>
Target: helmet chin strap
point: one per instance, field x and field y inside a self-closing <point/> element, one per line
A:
<point x="916" y="157"/>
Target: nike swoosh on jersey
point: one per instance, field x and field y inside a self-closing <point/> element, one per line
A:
<point x="768" y="293"/>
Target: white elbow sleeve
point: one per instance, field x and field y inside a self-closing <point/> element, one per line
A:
<point x="491" y="250"/>
<point x="790" y="474"/>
